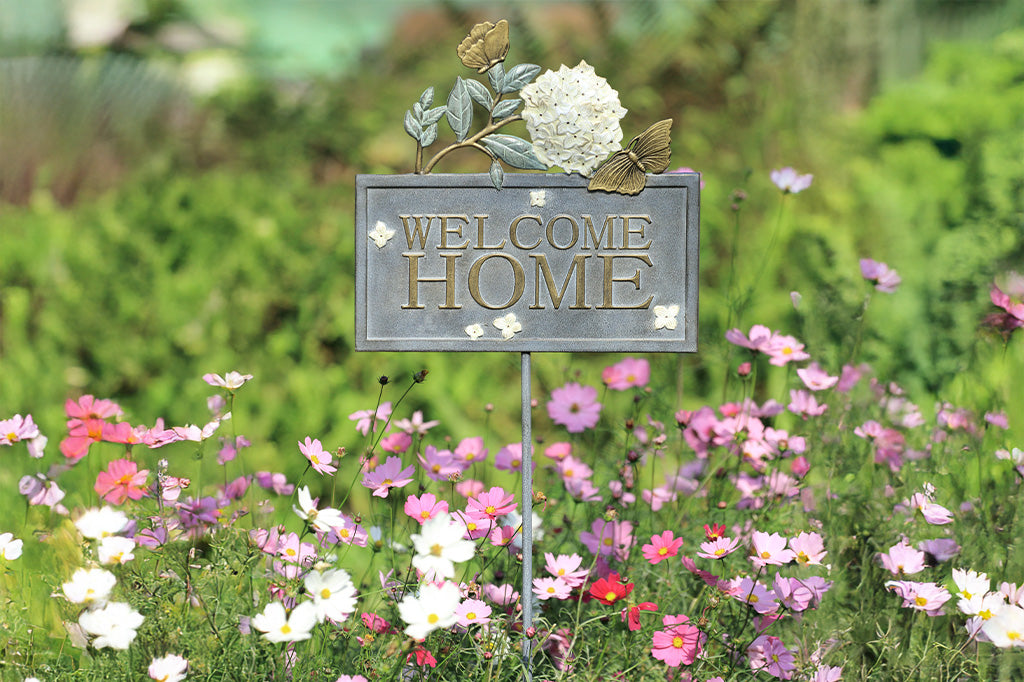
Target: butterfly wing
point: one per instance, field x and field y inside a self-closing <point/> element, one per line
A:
<point x="652" y="146"/>
<point x="618" y="174"/>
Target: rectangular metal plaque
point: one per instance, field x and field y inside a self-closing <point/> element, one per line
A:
<point x="446" y="262"/>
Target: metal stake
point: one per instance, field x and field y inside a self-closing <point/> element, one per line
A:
<point x="526" y="595"/>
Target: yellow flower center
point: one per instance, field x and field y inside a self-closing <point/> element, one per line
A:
<point x="388" y="481"/>
<point x="432" y="618"/>
<point x="719" y="552"/>
<point x="314" y="459"/>
<point x="424" y="514"/>
<point x="1013" y="635"/>
<point x="471" y="615"/>
<point x="489" y="509"/>
<point x="766" y="555"/>
<point x="752" y="598"/>
<point x="325" y="593"/>
<point x="607" y="542"/>
<point x="436" y="468"/>
<point x="662" y="551"/>
<point x="611" y="596"/>
<point x="985" y="615"/>
<point x="920" y="601"/>
<point x="677" y="642"/>
<point x="285" y="629"/>
<point x="436" y="549"/>
<point x="343" y="532"/>
<point x="551" y="590"/>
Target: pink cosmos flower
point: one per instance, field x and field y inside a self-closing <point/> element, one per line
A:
<point x="503" y="536"/>
<point x="609" y="538"/>
<point x="566" y="567"/>
<point x="416" y="425"/>
<point x="572" y="469"/>
<point x="318" y="459"/>
<point x="662" y="547"/>
<point x="231" y="380"/>
<point x="902" y="559"/>
<point x="397" y="442"/>
<point x="789" y="181"/>
<point x="558" y="451"/>
<point x="41" y="491"/>
<point x="575" y="407"/>
<point x="809" y="548"/>
<point x="88" y="407"/>
<point x="121" y="481"/>
<point x="440" y="465"/>
<point x="678" y="644"/>
<point x="769" y="654"/>
<point x="1012" y="303"/>
<point x="364" y="418"/>
<point x="17" y="428"/>
<point x="275" y="482"/>
<point x="804" y="404"/>
<point x="510" y="458"/>
<point x="627" y="374"/>
<point x="470" y="451"/>
<point x="782" y="350"/>
<point x="768" y="549"/>
<point x="719" y="548"/>
<point x="815" y="378"/>
<point x="551" y="588"/>
<point x="492" y="504"/>
<point x="658" y="497"/>
<point x="424" y="507"/>
<point x="758" y="339"/>
<point x="477" y="525"/>
<point x="760" y="598"/>
<point x="472" y="612"/>
<point x="933" y="513"/>
<point x="826" y="673"/>
<point x="886" y="279"/>
<point x="927" y="597"/>
<point x="502" y="595"/>
<point x="388" y="475"/>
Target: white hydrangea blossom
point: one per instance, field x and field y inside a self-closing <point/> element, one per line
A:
<point x="573" y="118"/>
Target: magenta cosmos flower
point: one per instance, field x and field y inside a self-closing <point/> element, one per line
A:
<point x="609" y="538"/>
<point x="662" y="547"/>
<point x="575" y="407"/>
<point x="769" y="654"/>
<point x="678" y="643"/>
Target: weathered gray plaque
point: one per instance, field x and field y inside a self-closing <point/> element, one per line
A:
<point x="446" y="262"/>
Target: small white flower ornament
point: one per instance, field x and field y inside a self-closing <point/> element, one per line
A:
<point x="475" y="331"/>
<point x="665" y="316"/>
<point x="508" y="326"/>
<point x="380" y="234"/>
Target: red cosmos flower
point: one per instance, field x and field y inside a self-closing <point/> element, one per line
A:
<point x="714" y="531"/>
<point x="423" y="657"/>
<point x="632" y="614"/>
<point x="609" y="590"/>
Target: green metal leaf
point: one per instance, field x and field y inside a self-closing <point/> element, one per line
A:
<point x="427" y="98"/>
<point x="429" y="135"/>
<point x="514" y="151"/>
<point x="478" y="91"/>
<point x="460" y="110"/>
<point x="412" y="126"/>
<point x="496" y="74"/>
<point x="497" y="174"/>
<point x="505" y="108"/>
<point x="433" y="115"/>
<point x="518" y="76"/>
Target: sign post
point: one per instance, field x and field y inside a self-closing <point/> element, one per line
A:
<point x="529" y="262"/>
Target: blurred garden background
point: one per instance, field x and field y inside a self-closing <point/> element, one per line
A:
<point x="177" y="180"/>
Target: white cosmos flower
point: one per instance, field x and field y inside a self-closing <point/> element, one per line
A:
<point x="1006" y="628"/>
<point x="10" y="549"/>
<point x="89" y="586"/>
<point x="573" y="118"/>
<point x="334" y="595"/>
<point x="101" y="522"/>
<point x="440" y="544"/>
<point x="115" y="549"/>
<point x="277" y="626"/>
<point x="433" y="608"/>
<point x="970" y="584"/>
<point x="322" y="520"/>
<point x="113" y="626"/>
<point x="170" y="668"/>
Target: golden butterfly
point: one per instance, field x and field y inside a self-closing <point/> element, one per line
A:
<point x="626" y="171"/>
<point x="485" y="46"/>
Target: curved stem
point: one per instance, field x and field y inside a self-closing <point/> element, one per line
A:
<point x="469" y="141"/>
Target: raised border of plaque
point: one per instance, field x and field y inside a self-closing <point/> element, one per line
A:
<point x="446" y="262"/>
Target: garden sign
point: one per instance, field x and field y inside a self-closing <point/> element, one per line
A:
<point x="601" y="258"/>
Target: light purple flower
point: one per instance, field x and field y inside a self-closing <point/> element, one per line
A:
<point x="388" y="475"/>
<point x="886" y="279"/>
<point x="575" y="407"/>
<point x="789" y="181"/>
